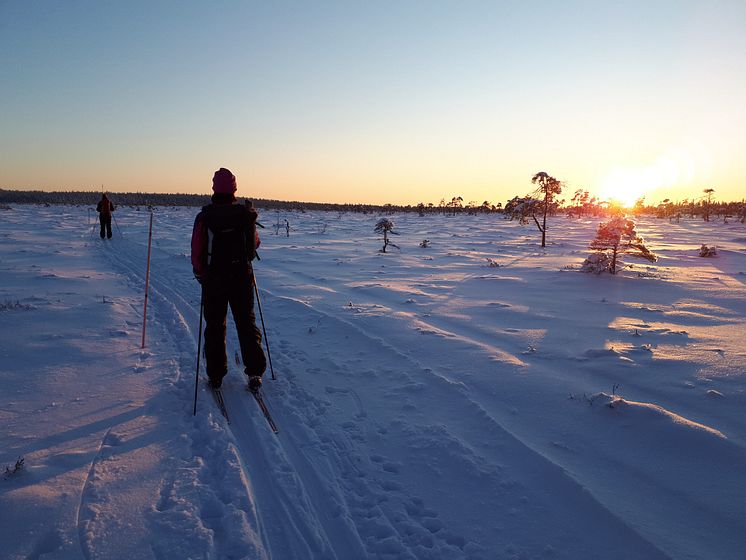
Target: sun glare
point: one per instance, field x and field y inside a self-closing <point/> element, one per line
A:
<point x="626" y="185"/>
<point x="622" y="187"/>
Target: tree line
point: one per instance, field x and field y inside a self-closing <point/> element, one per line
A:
<point x="178" y="199"/>
<point x="535" y="206"/>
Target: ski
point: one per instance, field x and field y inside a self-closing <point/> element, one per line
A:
<point x="263" y="406"/>
<point x="218" y="394"/>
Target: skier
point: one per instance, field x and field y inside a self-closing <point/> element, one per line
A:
<point x="104" y="208"/>
<point x="224" y="242"/>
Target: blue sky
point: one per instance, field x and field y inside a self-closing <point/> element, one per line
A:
<point x="374" y="101"/>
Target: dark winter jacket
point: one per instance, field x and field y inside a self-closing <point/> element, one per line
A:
<point x="105" y="206"/>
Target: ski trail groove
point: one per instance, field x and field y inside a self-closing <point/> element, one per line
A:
<point x="464" y="428"/>
<point x="284" y="514"/>
<point x="87" y="487"/>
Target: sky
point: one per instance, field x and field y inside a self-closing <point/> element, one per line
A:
<point x="375" y="102"/>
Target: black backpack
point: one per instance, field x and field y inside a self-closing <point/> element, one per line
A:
<point x="231" y="232"/>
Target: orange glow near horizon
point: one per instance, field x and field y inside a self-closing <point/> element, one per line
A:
<point x="623" y="187"/>
<point x="670" y="172"/>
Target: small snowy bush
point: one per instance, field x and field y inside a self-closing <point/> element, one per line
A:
<point x="10" y="471"/>
<point x="706" y="251"/>
<point x="425" y="243"/>
<point x="596" y="263"/>
<point x="613" y="238"/>
<point x="8" y="305"/>
<point x="522" y="208"/>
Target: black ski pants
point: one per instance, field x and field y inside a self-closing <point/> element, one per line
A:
<point x="105" y="220"/>
<point x="236" y="290"/>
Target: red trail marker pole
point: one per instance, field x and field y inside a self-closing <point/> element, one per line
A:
<point x="147" y="282"/>
<point x="199" y="349"/>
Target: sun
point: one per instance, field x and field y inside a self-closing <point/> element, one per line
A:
<point x="623" y="187"/>
<point x="626" y="185"/>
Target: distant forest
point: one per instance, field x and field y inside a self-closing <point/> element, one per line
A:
<point x="154" y="199"/>
<point x="581" y="204"/>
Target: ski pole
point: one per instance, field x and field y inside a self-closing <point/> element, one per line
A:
<point x="199" y="348"/>
<point x="264" y="330"/>
<point x="117" y="223"/>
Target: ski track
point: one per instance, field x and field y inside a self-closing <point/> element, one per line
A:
<point x="289" y="529"/>
<point x="455" y="328"/>
<point x="723" y="529"/>
<point x="288" y="516"/>
<point x="546" y="476"/>
<point x="86" y="490"/>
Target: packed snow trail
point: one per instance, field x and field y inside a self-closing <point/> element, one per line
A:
<point x="286" y="521"/>
<point x="329" y="489"/>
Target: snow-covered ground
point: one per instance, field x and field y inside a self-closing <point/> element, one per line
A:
<point x="476" y="399"/>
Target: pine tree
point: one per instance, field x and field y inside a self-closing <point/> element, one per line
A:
<point x="615" y="237"/>
<point x="549" y="187"/>
<point x="385" y="226"/>
<point x="530" y="205"/>
<point x="707" y="204"/>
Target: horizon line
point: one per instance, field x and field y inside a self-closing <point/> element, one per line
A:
<point x="328" y="203"/>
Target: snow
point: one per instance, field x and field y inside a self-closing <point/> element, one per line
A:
<point x="477" y="398"/>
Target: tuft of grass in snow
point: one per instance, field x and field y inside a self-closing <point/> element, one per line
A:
<point x="9" y="305"/>
<point x="17" y="467"/>
<point x="706" y="251"/>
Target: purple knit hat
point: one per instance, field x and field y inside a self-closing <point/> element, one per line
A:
<point x="223" y="182"/>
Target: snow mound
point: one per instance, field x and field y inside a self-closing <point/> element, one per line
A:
<point x="648" y="413"/>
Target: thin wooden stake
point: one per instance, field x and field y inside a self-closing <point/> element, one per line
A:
<point x="147" y="282"/>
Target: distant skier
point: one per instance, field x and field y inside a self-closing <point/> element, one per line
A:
<point x="105" y="208"/>
<point x="224" y="242"/>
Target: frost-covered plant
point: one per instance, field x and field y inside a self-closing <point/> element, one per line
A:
<point x="522" y="208"/>
<point x="17" y="467"/>
<point x="539" y="202"/>
<point x="596" y="263"/>
<point x="615" y="237"/>
<point x="706" y="251"/>
<point x="7" y="305"/>
<point x="425" y="243"/>
<point x="386" y="227"/>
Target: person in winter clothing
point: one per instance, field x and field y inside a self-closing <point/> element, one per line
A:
<point x="104" y="208"/>
<point x="224" y="242"/>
